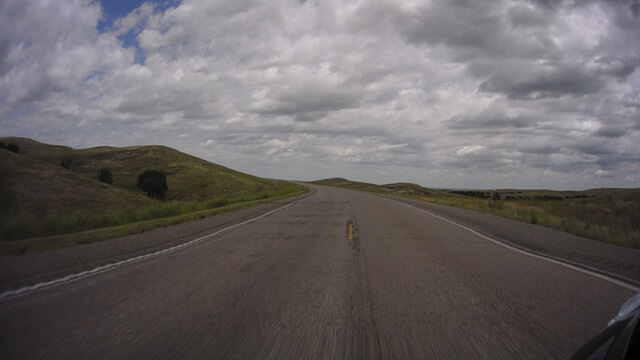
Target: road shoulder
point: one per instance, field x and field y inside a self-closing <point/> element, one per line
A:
<point x="621" y="262"/>
<point x="17" y="271"/>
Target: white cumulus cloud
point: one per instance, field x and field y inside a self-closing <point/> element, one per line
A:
<point x="507" y="93"/>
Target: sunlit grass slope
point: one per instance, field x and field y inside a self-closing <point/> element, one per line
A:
<point x="188" y="177"/>
<point x="41" y="198"/>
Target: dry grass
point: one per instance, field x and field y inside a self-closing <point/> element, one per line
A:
<point x="169" y="214"/>
<point x="608" y="215"/>
<point x="40" y="198"/>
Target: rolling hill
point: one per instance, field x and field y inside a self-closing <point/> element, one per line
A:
<point x="188" y="177"/>
<point x="398" y="189"/>
<point x="34" y="185"/>
<point x="48" y="190"/>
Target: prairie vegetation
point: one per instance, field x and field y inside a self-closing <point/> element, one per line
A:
<point x="608" y="215"/>
<point x="52" y="192"/>
<point x="79" y="226"/>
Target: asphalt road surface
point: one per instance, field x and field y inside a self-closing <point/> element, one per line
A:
<point x="338" y="275"/>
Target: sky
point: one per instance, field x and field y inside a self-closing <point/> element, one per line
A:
<point x="446" y="94"/>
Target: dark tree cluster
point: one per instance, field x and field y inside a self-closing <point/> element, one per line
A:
<point x="67" y="163"/>
<point x="549" y="198"/>
<point x="578" y="196"/>
<point x="10" y="147"/>
<point x="104" y="175"/>
<point x="154" y="183"/>
<point x="477" y="194"/>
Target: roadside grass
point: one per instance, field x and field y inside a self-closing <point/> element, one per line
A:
<point x="27" y="232"/>
<point x="592" y="219"/>
<point x="608" y="215"/>
<point x="53" y="192"/>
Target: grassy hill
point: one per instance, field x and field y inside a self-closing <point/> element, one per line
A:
<point x="36" y="186"/>
<point x="609" y="215"/>
<point x="396" y="189"/>
<point x="39" y="197"/>
<point x="188" y="177"/>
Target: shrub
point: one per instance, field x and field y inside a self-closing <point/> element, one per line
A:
<point x="3" y="145"/>
<point x="216" y="203"/>
<point x="13" y="148"/>
<point x="66" y="162"/>
<point x="104" y="175"/>
<point x="154" y="183"/>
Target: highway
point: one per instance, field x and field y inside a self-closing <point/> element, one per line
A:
<point x="336" y="275"/>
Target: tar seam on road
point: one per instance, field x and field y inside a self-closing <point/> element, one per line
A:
<point x="105" y="268"/>
<point x="612" y="278"/>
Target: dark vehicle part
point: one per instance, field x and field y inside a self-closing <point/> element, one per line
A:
<point x="620" y="340"/>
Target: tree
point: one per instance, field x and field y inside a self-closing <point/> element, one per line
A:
<point x="3" y="145"/>
<point x="154" y="183"/>
<point x="104" y="175"/>
<point x="67" y="162"/>
<point x="13" y="148"/>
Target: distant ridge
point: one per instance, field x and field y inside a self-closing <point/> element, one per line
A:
<point x="609" y="215"/>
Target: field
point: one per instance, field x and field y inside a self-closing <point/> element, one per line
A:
<point x="608" y="215"/>
<point x="52" y="194"/>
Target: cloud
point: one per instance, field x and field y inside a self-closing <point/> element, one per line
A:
<point x="470" y="150"/>
<point x="610" y="132"/>
<point x="303" y="99"/>
<point x="492" y="119"/>
<point x="510" y="93"/>
<point x="133" y="20"/>
<point x="542" y="82"/>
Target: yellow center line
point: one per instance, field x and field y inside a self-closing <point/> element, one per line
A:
<point x="350" y="231"/>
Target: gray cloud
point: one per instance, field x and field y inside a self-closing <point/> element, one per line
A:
<point x="307" y="100"/>
<point x="489" y="120"/>
<point x="478" y="29"/>
<point x="610" y="132"/>
<point x="540" y="150"/>
<point x="507" y="93"/>
<point x="526" y="16"/>
<point x="542" y="82"/>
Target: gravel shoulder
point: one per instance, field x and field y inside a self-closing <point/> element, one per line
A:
<point x="619" y="261"/>
<point x="22" y="270"/>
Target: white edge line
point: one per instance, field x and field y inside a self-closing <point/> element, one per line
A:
<point x="597" y="273"/>
<point x="105" y="268"/>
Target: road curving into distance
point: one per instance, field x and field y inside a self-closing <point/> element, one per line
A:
<point x="338" y="274"/>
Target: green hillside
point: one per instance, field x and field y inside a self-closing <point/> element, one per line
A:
<point x="36" y="186"/>
<point x="188" y="177"/>
<point x="52" y="191"/>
